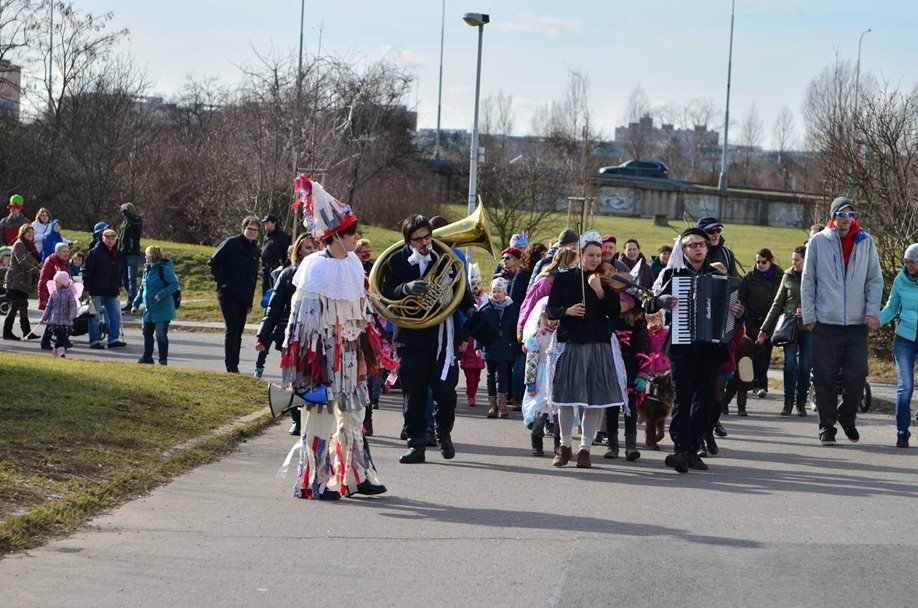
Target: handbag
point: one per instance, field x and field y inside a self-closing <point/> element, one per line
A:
<point x="786" y="331"/>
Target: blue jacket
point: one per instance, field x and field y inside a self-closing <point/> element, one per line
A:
<point x="152" y="285"/>
<point x="903" y="302"/>
<point x="504" y="318"/>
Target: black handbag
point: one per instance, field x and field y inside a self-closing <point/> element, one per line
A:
<point x="786" y="331"/>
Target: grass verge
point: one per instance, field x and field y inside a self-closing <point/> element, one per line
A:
<point x="85" y="436"/>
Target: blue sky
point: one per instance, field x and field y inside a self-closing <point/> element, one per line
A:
<point x="674" y="49"/>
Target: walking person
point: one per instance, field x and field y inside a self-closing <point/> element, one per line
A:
<point x="234" y="267"/>
<point x="129" y="247"/>
<point x="841" y="289"/>
<point x="798" y="356"/>
<point x="61" y="310"/>
<point x="757" y="293"/>
<point x="158" y="284"/>
<point x="20" y="280"/>
<point x="498" y="356"/>
<point x="102" y="280"/>
<point x="59" y="262"/>
<point x="902" y="305"/>
<point x="585" y="375"/>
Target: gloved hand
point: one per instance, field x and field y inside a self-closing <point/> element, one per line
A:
<point x="416" y="288"/>
<point x="640" y="384"/>
<point x="469" y="313"/>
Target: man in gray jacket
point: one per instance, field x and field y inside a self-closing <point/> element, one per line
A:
<point x="841" y="289"/>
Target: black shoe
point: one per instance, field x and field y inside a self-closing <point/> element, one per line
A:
<point x="695" y="462"/>
<point x="711" y="445"/>
<point x="827" y="436"/>
<point x="431" y="438"/>
<point x="412" y="456"/>
<point x="145" y="361"/>
<point x="852" y="434"/>
<point x="632" y="454"/>
<point x="330" y="495"/>
<point x="369" y="488"/>
<point x="741" y="413"/>
<point x="677" y="461"/>
<point x="611" y="453"/>
<point x="446" y="447"/>
<point x="375" y="406"/>
<point x="801" y="410"/>
<point x="294" y="429"/>
<point x="719" y="430"/>
<point x="117" y="344"/>
<point x="902" y="440"/>
<point x="702" y="451"/>
<point x="404" y="434"/>
<point x="97" y="346"/>
<point x="538" y="448"/>
<point x="787" y="410"/>
<point x="10" y="336"/>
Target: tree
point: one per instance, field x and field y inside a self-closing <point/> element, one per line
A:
<point x="781" y="141"/>
<point x="747" y="164"/>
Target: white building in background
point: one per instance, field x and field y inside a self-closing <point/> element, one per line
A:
<point x="10" y="90"/>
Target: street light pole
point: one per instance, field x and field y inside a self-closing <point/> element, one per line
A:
<point x="722" y="182"/>
<point x="475" y="20"/>
<point x="857" y="78"/>
<point x="440" y="85"/>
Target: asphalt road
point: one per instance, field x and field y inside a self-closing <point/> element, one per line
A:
<point x="777" y="521"/>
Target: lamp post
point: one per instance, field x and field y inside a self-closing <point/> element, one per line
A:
<point x="722" y="182"/>
<point x="440" y="85"/>
<point x="475" y="20"/>
<point x="857" y="78"/>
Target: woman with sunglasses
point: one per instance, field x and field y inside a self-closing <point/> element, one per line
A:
<point x="757" y="291"/>
<point x="902" y="305"/>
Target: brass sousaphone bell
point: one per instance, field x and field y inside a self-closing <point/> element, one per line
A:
<point x="446" y="278"/>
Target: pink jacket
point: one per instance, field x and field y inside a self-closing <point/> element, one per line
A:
<point x="537" y="291"/>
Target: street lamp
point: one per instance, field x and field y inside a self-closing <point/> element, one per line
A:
<point x="722" y="182"/>
<point x="475" y="20"/>
<point x="440" y="85"/>
<point x="857" y="78"/>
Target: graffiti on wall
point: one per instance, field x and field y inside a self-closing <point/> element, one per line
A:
<point x="616" y="201"/>
<point x="700" y="207"/>
<point x="789" y="216"/>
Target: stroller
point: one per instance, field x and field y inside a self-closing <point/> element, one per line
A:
<point x="4" y="302"/>
<point x="81" y="323"/>
<point x="865" y="400"/>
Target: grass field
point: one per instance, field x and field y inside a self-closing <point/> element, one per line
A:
<point x="97" y="435"/>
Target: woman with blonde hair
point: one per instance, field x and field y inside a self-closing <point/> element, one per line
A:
<point x="158" y="284"/>
<point x="42" y="226"/>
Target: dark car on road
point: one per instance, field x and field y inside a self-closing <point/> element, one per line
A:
<point x="637" y="168"/>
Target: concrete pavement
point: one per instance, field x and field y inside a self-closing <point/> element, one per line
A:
<point x="777" y="521"/>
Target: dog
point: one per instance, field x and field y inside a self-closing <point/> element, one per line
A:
<point x="656" y="408"/>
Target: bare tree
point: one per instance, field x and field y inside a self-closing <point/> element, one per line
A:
<point x="746" y="168"/>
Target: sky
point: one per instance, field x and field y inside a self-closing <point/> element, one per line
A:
<point x="674" y="50"/>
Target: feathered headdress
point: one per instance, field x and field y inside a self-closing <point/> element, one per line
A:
<point x="520" y="239"/>
<point x="323" y="214"/>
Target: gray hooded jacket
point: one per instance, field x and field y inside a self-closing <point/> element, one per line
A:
<point x="830" y="294"/>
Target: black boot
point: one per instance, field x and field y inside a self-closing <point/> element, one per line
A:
<point x="417" y="446"/>
<point x="788" y="407"/>
<point x="538" y="432"/>
<point x="8" y="329"/>
<point x="631" y="451"/>
<point x="446" y="446"/>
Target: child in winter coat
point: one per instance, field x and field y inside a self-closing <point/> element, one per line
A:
<point x="470" y="360"/>
<point x="502" y="313"/>
<point x="538" y="338"/>
<point x="61" y="309"/>
<point x="52" y="238"/>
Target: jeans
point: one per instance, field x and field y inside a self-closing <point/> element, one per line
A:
<point x="840" y="347"/>
<point x="129" y="276"/>
<point x="112" y="312"/>
<point x="798" y="360"/>
<point x="904" y="352"/>
<point x="161" y="330"/>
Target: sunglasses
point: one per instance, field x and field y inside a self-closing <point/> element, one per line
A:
<point x="507" y="257"/>
<point x="845" y="214"/>
<point x="714" y="231"/>
<point x="762" y="262"/>
<point x="909" y="261"/>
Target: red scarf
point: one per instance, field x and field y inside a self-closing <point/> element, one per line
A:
<point x="847" y="242"/>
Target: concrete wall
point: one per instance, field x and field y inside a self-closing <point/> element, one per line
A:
<point x="647" y="198"/>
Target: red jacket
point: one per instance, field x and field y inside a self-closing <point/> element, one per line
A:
<point x="52" y="264"/>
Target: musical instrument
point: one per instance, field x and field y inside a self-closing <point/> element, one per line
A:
<point x="702" y="312"/>
<point x="446" y="279"/>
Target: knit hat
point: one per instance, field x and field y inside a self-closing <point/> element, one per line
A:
<point x="840" y="203"/>
<point x="708" y="223"/>
<point x="323" y="214"/>
<point x="499" y="283"/>
<point x="567" y="237"/>
<point x="62" y="277"/>
<point x="911" y="253"/>
<point x="512" y="251"/>
<point x="520" y="239"/>
<point x="16" y="202"/>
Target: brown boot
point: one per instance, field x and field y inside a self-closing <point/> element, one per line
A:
<point x="492" y="407"/>
<point x="502" y="406"/>
<point x="562" y="456"/>
<point x="583" y="459"/>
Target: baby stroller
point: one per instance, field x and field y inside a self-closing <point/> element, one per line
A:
<point x="4" y="302"/>
<point x="81" y="323"/>
<point x="864" y="403"/>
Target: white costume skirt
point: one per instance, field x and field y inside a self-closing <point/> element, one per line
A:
<point x="585" y="377"/>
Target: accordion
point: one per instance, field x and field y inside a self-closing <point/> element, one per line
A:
<point x="702" y="313"/>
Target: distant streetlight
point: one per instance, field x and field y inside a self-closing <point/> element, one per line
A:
<point x="857" y="78"/>
<point x="440" y="85"/>
<point x="475" y="20"/>
<point x="722" y="182"/>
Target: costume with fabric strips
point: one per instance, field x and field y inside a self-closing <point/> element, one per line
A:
<point x="331" y="342"/>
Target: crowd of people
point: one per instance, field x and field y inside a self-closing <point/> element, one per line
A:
<point x="572" y="334"/>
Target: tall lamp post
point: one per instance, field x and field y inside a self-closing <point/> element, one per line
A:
<point x="722" y="182"/>
<point x="475" y="20"/>
<point x="440" y="85"/>
<point x="857" y="90"/>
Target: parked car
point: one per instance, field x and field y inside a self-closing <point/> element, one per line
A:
<point x="637" y="168"/>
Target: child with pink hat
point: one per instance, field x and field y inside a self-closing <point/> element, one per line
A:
<point x="61" y="309"/>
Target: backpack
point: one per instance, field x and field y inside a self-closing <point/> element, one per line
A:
<point x="177" y="294"/>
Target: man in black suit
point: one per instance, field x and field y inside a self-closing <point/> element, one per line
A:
<point x="428" y="356"/>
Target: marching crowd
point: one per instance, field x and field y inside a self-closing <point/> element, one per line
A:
<point x="574" y="334"/>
